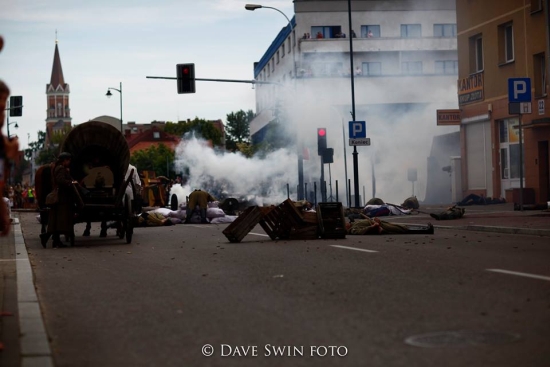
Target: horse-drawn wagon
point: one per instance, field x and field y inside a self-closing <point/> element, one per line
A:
<point x="100" y="161"/>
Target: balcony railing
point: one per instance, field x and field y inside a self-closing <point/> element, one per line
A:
<point x="378" y="44"/>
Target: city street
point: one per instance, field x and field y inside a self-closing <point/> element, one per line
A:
<point x="174" y="290"/>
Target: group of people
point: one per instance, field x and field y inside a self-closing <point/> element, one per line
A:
<point x="340" y="34"/>
<point x="19" y="196"/>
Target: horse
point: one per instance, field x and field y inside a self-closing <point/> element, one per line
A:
<point x="43" y="185"/>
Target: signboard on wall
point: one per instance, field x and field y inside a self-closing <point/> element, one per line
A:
<point x="448" y="117"/>
<point x="470" y="89"/>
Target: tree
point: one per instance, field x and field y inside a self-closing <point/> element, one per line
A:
<point x="49" y="153"/>
<point x="158" y="158"/>
<point x="202" y="128"/>
<point x="238" y="128"/>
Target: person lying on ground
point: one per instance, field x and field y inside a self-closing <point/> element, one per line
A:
<point x="452" y="212"/>
<point x="368" y="226"/>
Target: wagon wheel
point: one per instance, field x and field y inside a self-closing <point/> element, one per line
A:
<point x="174" y="202"/>
<point x="127" y="220"/>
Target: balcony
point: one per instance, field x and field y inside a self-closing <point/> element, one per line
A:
<point x="378" y="44"/>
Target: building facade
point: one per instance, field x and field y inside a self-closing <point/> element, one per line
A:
<point x="404" y="56"/>
<point x="57" y="97"/>
<point x="499" y="40"/>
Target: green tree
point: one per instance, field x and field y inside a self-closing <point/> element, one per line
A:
<point x="158" y="158"/>
<point x="237" y="128"/>
<point x="202" y="128"/>
<point x="49" y="153"/>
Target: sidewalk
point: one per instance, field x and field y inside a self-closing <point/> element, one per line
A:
<point x="501" y="218"/>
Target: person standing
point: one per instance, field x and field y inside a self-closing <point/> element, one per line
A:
<point x="61" y="218"/>
<point x="200" y="198"/>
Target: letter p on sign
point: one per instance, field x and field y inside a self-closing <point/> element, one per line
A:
<point x="357" y="130"/>
<point x="519" y="90"/>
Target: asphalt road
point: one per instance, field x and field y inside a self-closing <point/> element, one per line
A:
<point x="159" y="300"/>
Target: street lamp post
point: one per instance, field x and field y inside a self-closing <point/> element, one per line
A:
<point x="109" y="94"/>
<point x="253" y="7"/>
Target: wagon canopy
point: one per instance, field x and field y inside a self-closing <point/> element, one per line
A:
<point x="97" y="142"/>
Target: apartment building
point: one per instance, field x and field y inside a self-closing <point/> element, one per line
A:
<point x="498" y="40"/>
<point x="399" y="48"/>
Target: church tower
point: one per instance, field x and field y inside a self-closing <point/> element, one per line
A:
<point x="57" y="94"/>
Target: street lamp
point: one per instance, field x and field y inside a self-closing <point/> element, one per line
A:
<point x="109" y="94"/>
<point x="253" y="7"/>
<point x="8" y="126"/>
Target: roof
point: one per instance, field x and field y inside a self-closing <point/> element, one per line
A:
<point x="113" y="121"/>
<point x="57" y="72"/>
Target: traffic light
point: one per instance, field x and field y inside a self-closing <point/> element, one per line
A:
<point x="321" y="140"/>
<point x="328" y="155"/>
<point x="186" y="78"/>
<point x="16" y="106"/>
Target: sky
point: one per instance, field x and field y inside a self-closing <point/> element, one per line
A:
<point x="104" y="43"/>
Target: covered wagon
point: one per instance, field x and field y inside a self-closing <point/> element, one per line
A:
<point x="100" y="160"/>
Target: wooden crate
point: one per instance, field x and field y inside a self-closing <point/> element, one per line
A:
<point x="276" y="224"/>
<point x="286" y="222"/>
<point x="244" y="223"/>
<point x="332" y="222"/>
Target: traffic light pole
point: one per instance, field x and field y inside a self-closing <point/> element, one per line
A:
<point x="355" y="154"/>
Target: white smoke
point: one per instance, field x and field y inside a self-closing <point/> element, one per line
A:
<point x="263" y="181"/>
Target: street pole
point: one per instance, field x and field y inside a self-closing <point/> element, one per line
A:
<point x="520" y="165"/>
<point x="355" y="154"/>
<point x="109" y="94"/>
<point x="121" y="109"/>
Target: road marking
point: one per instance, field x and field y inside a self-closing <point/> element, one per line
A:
<point x="12" y="259"/>
<point x="259" y="234"/>
<point x="535" y="276"/>
<point x="353" y="248"/>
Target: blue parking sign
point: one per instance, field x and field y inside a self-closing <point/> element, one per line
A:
<point x="357" y="129"/>
<point x="519" y="90"/>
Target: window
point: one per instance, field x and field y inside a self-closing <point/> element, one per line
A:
<point x="283" y="50"/>
<point x="444" y="30"/>
<point x="277" y="57"/>
<point x="446" y="67"/>
<point x="476" y="53"/>
<point x="325" y="31"/>
<point x="272" y="65"/>
<point x="370" y="31"/>
<point x="372" y="68"/>
<point x="539" y="77"/>
<point x="536" y="5"/>
<point x="411" y="31"/>
<point x="506" y="43"/>
<point x="411" y="67"/>
<point x="509" y="148"/>
<point x="156" y="135"/>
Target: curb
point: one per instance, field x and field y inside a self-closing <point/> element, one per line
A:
<point x="35" y="347"/>
<point x="496" y="229"/>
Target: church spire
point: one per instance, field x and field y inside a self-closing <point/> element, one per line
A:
<point x="57" y="72"/>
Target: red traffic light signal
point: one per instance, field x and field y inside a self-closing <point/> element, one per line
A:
<point x="186" y="78"/>
<point x="321" y="140"/>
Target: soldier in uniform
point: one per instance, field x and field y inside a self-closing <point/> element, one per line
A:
<point x="200" y="198"/>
